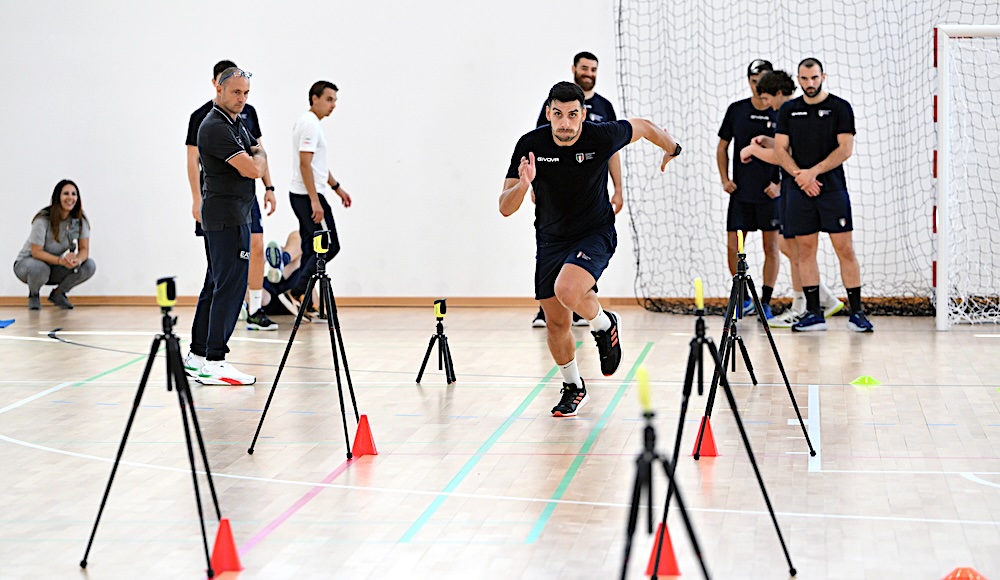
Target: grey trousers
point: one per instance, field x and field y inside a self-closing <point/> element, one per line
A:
<point x="36" y="273"/>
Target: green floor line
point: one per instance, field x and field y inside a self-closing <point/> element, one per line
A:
<point x="471" y="463"/>
<point x="546" y="514"/>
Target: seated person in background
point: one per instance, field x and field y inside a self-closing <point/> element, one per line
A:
<point x="58" y="248"/>
<point x="283" y="274"/>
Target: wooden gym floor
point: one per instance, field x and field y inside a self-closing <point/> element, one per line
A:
<point x="477" y="480"/>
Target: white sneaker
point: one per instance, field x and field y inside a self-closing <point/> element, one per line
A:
<point x="193" y="364"/>
<point x="243" y="312"/>
<point x="219" y="372"/>
<point x="786" y="320"/>
<point x="832" y="308"/>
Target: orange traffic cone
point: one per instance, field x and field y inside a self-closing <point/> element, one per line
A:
<point x="225" y="558"/>
<point x="364" y="444"/>
<point x="964" y="574"/>
<point x="708" y="444"/>
<point x="668" y="562"/>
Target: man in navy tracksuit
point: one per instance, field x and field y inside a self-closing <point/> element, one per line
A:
<point x="231" y="160"/>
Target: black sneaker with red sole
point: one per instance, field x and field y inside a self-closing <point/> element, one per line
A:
<point x="572" y="399"/>
<point x="609" y="345"/>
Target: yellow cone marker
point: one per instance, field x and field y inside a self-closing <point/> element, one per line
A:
<point x="865" y="381"/>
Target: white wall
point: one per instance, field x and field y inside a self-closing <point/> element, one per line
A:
<point x="433" y="98"/>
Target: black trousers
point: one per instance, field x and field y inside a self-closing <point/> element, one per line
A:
<point x="307" y="227"/>
<point x="228" y="254"/>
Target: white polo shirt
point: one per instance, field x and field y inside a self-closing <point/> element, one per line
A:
<point x="308" y="136"/>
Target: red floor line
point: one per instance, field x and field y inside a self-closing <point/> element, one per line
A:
<point x="269" y="528"/>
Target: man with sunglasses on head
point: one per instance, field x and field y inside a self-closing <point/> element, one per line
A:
<point x="256" y="318"/>
<point x="231" y="160"/>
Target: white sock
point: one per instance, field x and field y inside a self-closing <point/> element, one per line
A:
<point x="799" y="302"/>
<point x="601" y="321"/>
<point x="256" y="298"/>
<point x="571" y="373"/>
<point x="826" y="297"/>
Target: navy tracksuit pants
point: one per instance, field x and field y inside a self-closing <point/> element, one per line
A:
<point x="228" y="254"/>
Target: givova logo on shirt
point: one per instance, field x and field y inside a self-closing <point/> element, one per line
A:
<point x="546" y="159"/>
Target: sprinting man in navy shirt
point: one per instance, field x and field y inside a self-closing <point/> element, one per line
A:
<point x="231" y="159"/>
<point x="599" y="110"/>
<point x="753" y="189"/>
<point x="566" y="164"/>
<point x="815" y="136"/>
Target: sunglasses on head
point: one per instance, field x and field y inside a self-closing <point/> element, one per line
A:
<point x="236" y="73"/>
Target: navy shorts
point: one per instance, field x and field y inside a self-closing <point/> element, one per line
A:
<point x="256" y="223"/>
<point x="750" y="217"/>
<point x="828" y="212"/>
<point x="592" y="253"/>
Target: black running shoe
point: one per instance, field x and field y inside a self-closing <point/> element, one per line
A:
<point x="539" y="321"/>
<point x="579" y="320"/>
<point x="259" y="321"/>
<point x="609" y="346"/>
<point x="572" y="399"/>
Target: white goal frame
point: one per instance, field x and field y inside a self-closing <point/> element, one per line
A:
<point x="945" y="34"/>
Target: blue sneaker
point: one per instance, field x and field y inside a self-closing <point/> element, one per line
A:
<point x="767" y="311"/>
<point x="858" y="322"/>
<point x="273" y="255"/>
<point x="748" y="307"/>
<point x="810" y="322"/>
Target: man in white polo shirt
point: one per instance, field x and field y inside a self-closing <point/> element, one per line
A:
<point x="311" y="179"/>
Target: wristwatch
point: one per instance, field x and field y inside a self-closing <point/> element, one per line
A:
<point x="335" y="186"/>
<point x="269" y="188"/>
<point x="676" y="151"/>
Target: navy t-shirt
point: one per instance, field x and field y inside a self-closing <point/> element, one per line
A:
<point x="227" y="195"/>
<point x="249" y="117"/>
<point x="741" y="124"/>
<point x="812" y="134"/>
<point x="599" y="110"/>
<point x="571" y="183"/>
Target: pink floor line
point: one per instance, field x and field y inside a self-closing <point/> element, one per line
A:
<point x="269" y="528"/>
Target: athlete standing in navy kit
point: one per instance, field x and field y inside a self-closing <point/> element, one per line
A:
<point x="256" y="318"/>
<point x="231" y="160"/>
<point x="815" y="136"/>
<point x="599" y="110"/>
<point x="566" y="164"/>
<point x="753" y="190"/>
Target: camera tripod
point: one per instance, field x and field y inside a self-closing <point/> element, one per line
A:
<point x="695" y="363"/>
<point x="176" y="377"/>
<point x="742" y="287"/>
<point x="328" y="305"/>
<point x="444" y="351"/>
<point x="644" y="486"/>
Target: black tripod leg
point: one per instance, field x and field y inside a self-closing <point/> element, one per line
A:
<point x="670" y="468"/>
<point x="324" y="296"/>
<point x="781" y="367"/>
<point x="194" y="474"/>
<point x="641" y="475"/>
<point x="753" y="460"/>
<point x="284" y="358"/>
<point x="175" y="365"/>
<point x="746" y="359"/>
<point x="331" y="308"/>
<point x="693" y="362"/>
<point x="449" y="366"/>
<point x="121" y="446"/>
<point x="427" y="356"/>
<point x="720" y="372"/>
